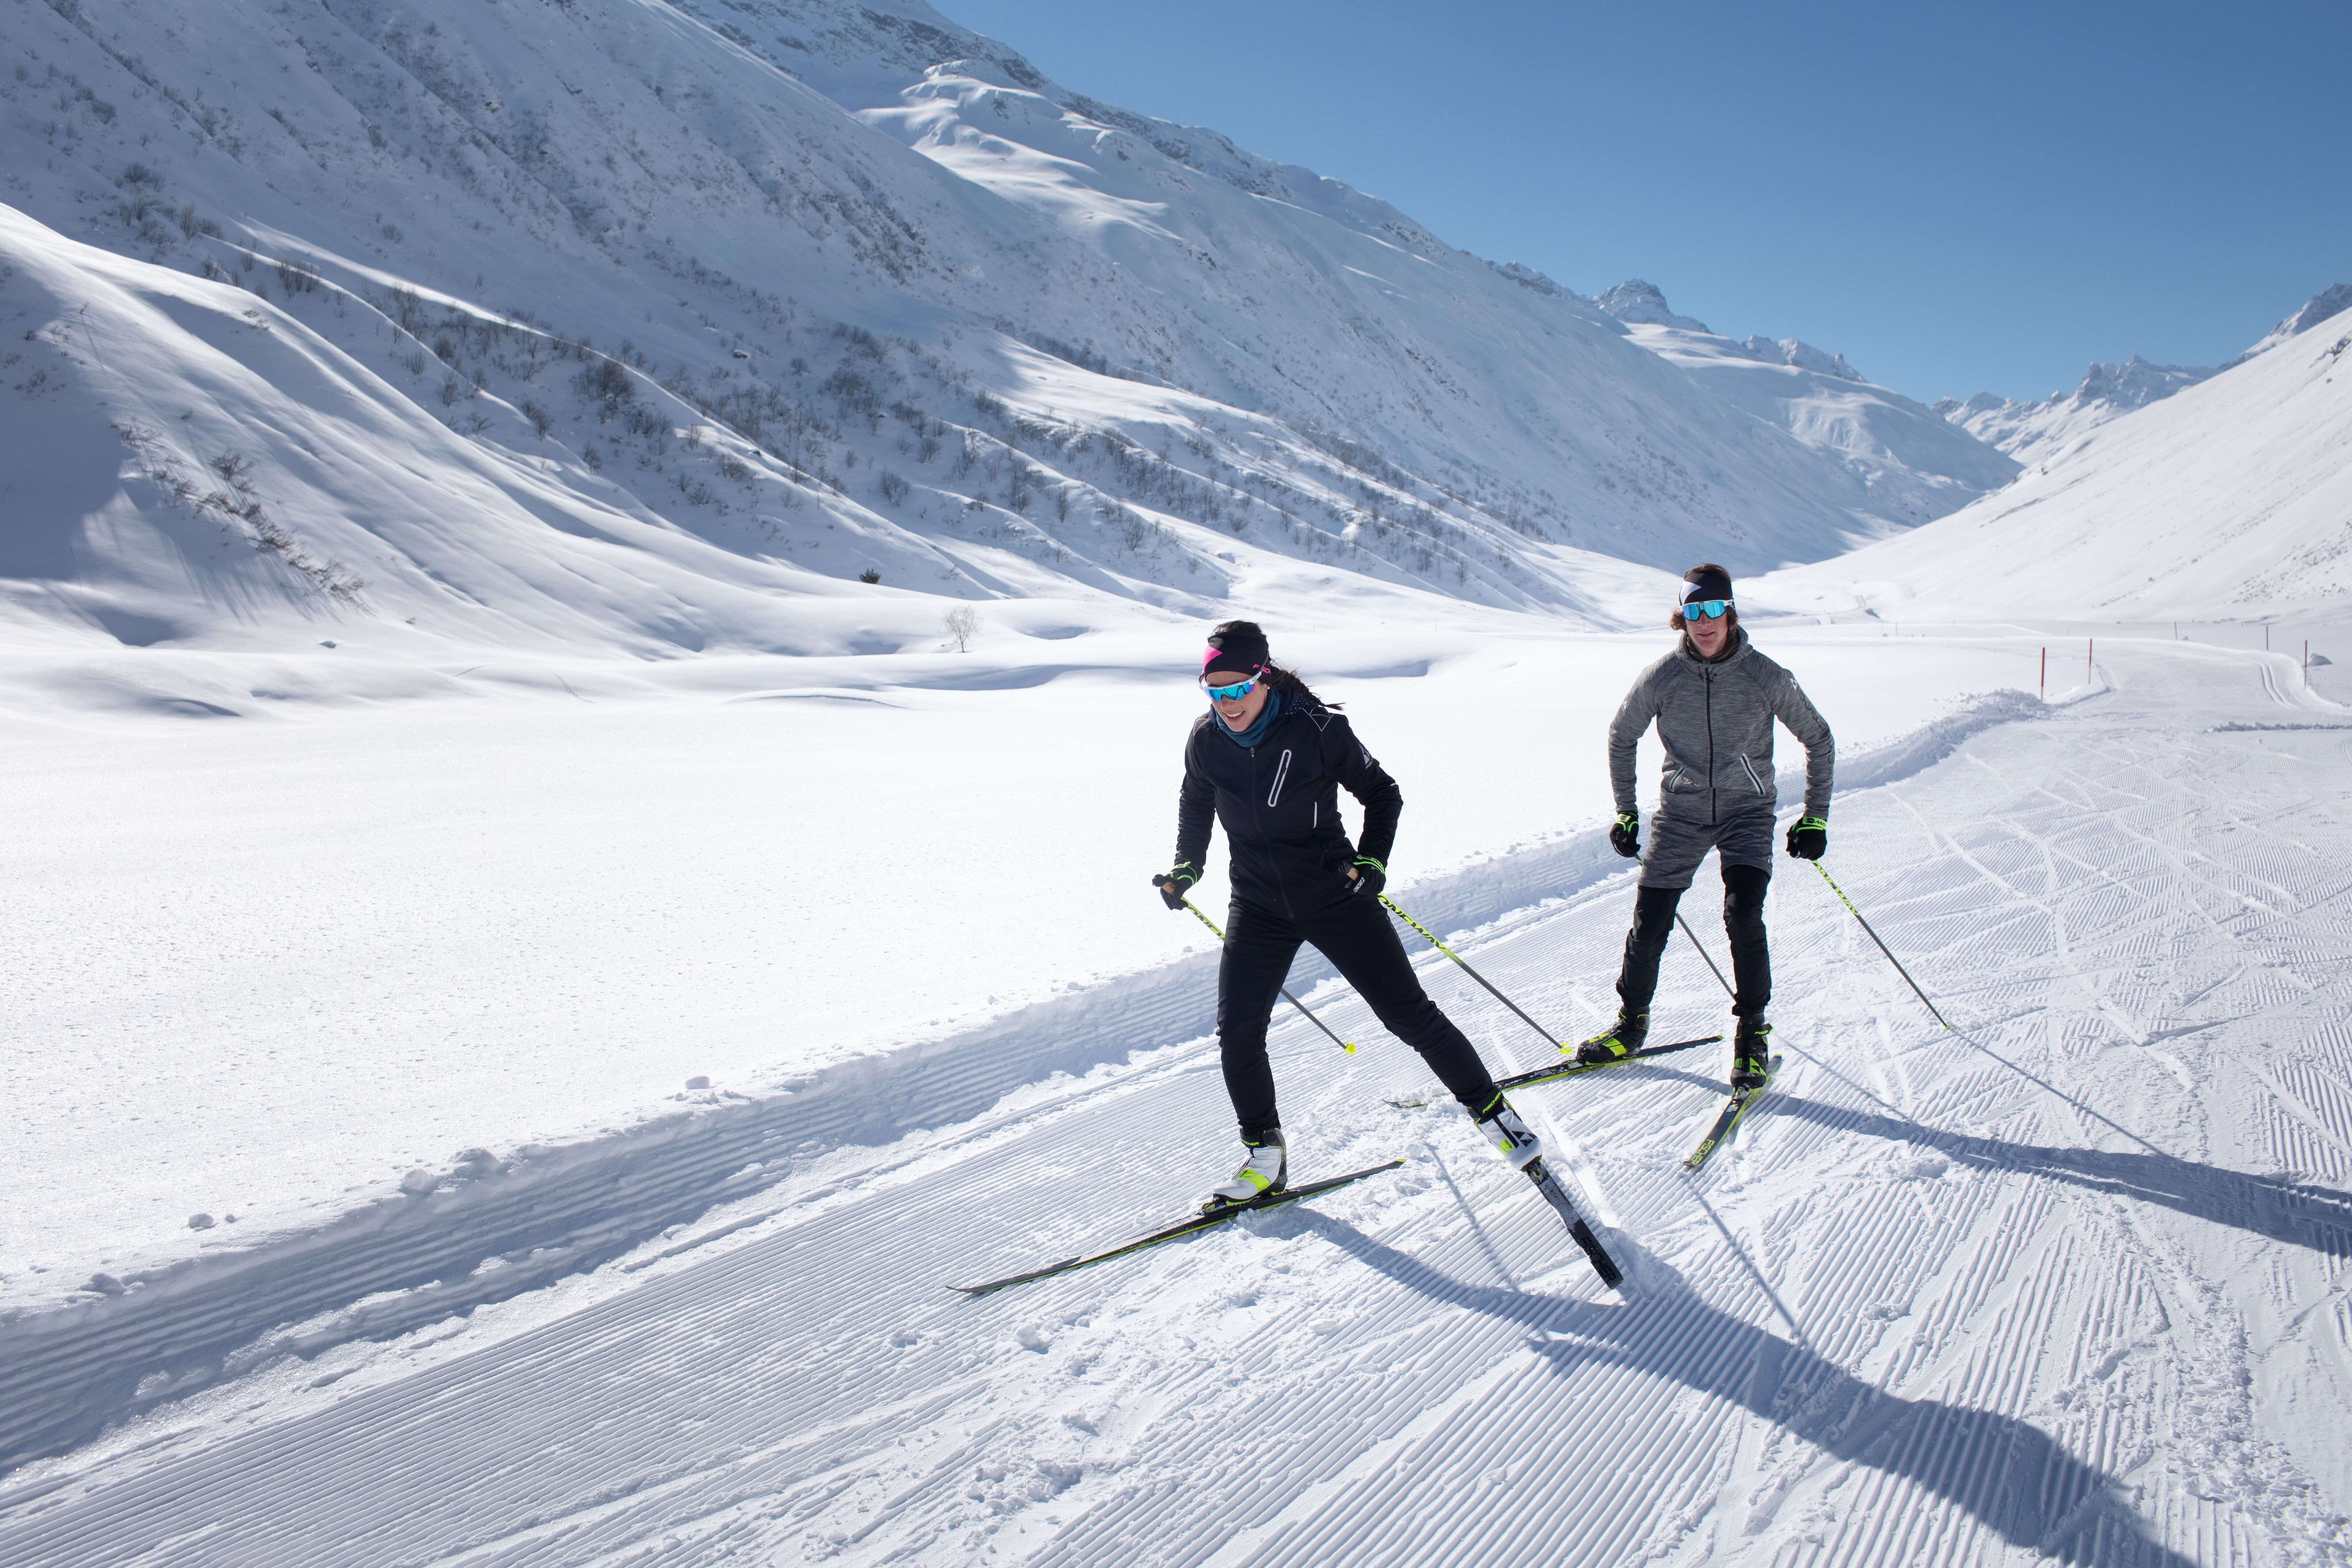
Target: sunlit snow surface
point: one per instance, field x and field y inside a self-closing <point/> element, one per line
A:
<point x="2067" y="1282"/>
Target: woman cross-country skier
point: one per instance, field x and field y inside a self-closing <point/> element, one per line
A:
<point x="1268" y="760"/>
<point x="1714" y="698"/>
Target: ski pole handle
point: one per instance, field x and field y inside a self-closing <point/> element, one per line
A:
<point x="1347" y="1046"/>
<point x="1473" y="973"/>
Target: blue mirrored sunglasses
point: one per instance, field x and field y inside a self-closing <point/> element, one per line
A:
<point x="1233" y="693"/>
<point x="1711" y="608"/>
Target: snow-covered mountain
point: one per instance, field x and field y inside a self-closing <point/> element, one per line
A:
<point x="2033" y="432"/>
<point x="761" y="296"/>
<point x="2326" y="305"/>
<point x="1913" y="464"/>
<point x="2232" y="496"/>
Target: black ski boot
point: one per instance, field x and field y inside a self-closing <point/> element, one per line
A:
<point x="1618" y="1041"/>
<point x="1752" y="1053"/>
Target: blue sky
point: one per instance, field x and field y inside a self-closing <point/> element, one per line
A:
<point x="1956" y="197"/>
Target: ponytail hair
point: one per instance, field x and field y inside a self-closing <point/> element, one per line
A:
<point x="1286" y="681"/>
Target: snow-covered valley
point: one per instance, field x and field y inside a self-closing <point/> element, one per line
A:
<point x="2064" y="1285"/>
<point x="597" y="606"/>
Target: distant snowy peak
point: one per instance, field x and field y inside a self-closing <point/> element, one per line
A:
<point x="2030" y="432"/>
<point x="1640" y="304"/>
<point x="2033" y="432"/>
<point x="1635" y="302"/>
<point x="2330" y="302"/>
<point x="1801" y="354"/>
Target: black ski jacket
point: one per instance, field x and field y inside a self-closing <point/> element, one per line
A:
<point x="1279" y="802"/>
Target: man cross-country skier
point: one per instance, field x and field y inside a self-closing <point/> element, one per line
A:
<point x="1714" y="699"/>
<point x="1268" y="761"/>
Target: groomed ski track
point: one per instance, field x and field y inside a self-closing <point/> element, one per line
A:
<point x="2067" y="1285"/>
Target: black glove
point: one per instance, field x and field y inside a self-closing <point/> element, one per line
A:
<point x="1173" y="885"/>
<point x="1370" y="876"/>
<point x="1625" y="835"/>
<point x="1809" y="837"/>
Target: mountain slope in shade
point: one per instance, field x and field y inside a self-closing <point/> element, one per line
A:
<point x="826" y="289"/>
<point x="2232" y="497"/>
<point x="1913" y="464"/>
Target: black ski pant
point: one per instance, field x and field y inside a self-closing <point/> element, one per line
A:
<point x="1743" y="922"/>
<point x="1354" y="932"/>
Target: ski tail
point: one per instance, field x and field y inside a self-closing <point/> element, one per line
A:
<point x="1572" y="1069"/>
<point x="1197" y="1224"/>
<point x="1556" y="1194"/>
<point x="1569" y="1069"/>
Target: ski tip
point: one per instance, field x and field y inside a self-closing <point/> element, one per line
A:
<point x="1349" y="1046"/>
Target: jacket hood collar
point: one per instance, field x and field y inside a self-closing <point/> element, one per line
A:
<point x="1737" y="651"/>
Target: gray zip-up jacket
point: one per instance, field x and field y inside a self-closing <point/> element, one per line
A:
<point x="1717" y="723"/>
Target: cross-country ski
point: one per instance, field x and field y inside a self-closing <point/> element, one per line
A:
<point x="1193" y="1226"/>
<point x="1535" y="1076"/>
<point x="1727" y="1122"/>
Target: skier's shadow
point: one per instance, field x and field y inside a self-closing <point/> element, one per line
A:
<point x="2005" y="1472"/>
<point x="2298" y="1213"/>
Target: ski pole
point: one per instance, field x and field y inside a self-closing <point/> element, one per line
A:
<point x="1473" y="973"/>
<point x="1719" y="980"/>
<point x="1347" y="1046"/>
<point x="1856" y="914"/>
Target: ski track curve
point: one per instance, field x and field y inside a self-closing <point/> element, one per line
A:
<point x="2068" y="1284"/>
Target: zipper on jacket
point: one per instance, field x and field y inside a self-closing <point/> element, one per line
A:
<point x="1274" y="795"/>
<point x="1748" y="768"/>
<point x="1707" y="675"/>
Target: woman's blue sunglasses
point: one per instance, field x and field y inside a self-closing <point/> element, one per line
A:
<point x="1711" y="608"/>
<point x="1231" y="693"/>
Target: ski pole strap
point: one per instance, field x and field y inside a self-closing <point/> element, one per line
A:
<point x="1473" y="973"/>
<point x="1347" y="1046"/>
<point x="1856" y="914"/>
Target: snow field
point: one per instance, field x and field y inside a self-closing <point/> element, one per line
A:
<point x="270" y="967"/>
<point x="2067" y="1286"/>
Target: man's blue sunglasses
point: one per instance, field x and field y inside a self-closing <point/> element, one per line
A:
<point x="1711" y="608"/>
<point x="1233" y="693"/>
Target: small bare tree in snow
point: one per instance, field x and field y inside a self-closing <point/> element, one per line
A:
<point x="963" y="625"/>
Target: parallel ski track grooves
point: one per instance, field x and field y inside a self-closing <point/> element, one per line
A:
<point x="1999" y="1323"/>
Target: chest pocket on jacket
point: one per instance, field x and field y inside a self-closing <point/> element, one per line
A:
<point x="1281" y="771"/>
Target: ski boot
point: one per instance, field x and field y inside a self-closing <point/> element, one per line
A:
<point x="1266" y="1173"/>
<point x="1618" y="1041"/>
<point x="1751" y="1051"/>
<point x="1501" y="1126"/>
